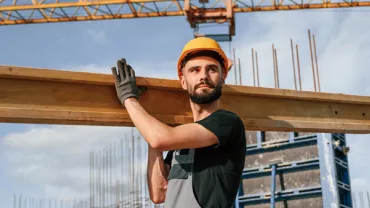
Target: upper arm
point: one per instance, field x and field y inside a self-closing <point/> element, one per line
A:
<point x="185" y="136"/>
<point x="216" y="129"/>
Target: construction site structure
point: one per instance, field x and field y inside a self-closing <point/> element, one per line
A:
<point x="295" y="170"/>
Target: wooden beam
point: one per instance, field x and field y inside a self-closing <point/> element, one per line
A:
<point x="45" y="96"/>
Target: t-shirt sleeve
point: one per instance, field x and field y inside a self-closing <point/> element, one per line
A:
<point x="225" y="125"/>
<point x="168" y="158"/>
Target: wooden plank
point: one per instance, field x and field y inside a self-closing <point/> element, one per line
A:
<point x="30" y="95"/>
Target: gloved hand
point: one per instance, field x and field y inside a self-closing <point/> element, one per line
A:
<point x="125" y="81"/>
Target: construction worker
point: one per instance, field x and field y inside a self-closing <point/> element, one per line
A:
<point x="205" y="159"/>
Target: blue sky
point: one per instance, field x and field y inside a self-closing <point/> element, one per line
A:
<point x="152" y="47"/>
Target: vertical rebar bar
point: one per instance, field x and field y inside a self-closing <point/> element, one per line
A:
<point x="115" y="171"/>
<point x="133" y="165"/>
<point x="299" y="68"/>
<point x="92" y="181"/>
<point x="236" y="82"/>
<point x="258" y="76"/>
<point x="317" y="65"/>
<point x="14" y="201"/>
<point x="140" y="170"/>
<point x="90" y="170"/>
<point x="100" y="178"/>
<point x="106" y="186"/>
<point x="110" y="190"/>
<point x="295" y="78"/>
<point x="273" y="60"/>
<point x="240" y="72"/>
<point x="124" y="168"/>
<point x="120" y="172"/>
<point x="277" y="69"/>
<point x="312" y="64"/>
<point x="254" y="78"/>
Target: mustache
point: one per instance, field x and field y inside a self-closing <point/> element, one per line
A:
<point x="204" y="82"/>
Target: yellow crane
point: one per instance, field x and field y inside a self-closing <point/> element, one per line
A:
<point x="197" y="12"/>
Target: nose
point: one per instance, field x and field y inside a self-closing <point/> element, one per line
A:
<point x="203" y="74"/>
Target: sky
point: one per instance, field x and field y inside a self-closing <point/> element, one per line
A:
<point x="52" y="160"/>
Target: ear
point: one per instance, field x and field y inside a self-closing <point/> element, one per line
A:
<point x="223" y="77"/>
<point x="229" y="64"/>
<point x="183" y="83"/>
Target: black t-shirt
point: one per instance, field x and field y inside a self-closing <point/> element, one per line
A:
<point x="218" y="168"/>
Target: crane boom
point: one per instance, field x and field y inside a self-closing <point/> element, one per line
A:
<point x="197" y="12"/>
<point x="47" y="11"/>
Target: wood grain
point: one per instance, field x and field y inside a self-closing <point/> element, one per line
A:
<point x="32" y="95"/>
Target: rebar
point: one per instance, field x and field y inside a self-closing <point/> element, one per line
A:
<point x="299" y="68"/>
<point x="274" y="63"/>
<point x="258" y="77"/>
<point x="236" y="79"/>
<point x="312" y="64"/>
<point x="254" y="77"/>
<point x="277" y="69"/>
<point x="317" y="65"/>
<point x="240" y="72"/>
<point x="119" y="175"/>
<point x="295" y="78"/>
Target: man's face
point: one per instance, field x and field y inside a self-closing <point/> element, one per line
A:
<point x="203" y="79"/>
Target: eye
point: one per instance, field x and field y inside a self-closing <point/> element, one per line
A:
<point x="213" y="69"/>
<point x="193" y="69"/>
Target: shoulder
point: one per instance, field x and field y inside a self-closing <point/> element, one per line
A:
<point x="224" y="118"/>
<point x="223" y="115"/>
<point x="226" y="125"/>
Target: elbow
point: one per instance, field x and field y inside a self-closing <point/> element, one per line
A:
<point x="158" y="146"/>
<point x="157" y="196"/>
<point x="157" y="199"/>
<point x="161" y="140"/>
<point x="159" y="143"/>
<point x="155" y="143"/>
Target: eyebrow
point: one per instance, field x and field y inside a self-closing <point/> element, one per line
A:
<point x="209" y="65"/>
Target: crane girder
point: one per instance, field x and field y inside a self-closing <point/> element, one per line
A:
<point x="48" y="11"/>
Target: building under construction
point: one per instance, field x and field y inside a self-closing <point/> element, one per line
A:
<point x="296" y="144"/>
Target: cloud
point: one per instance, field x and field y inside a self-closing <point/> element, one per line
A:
<point x="56" y="157"/>
<point x="163" y="69"/>
<point x="98" y="36"/>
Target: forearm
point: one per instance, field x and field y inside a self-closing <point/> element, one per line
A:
<point x="150" y="128"/>
<point x="156" y="176"/>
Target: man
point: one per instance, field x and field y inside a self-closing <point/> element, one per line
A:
<point x="205" y="158"/>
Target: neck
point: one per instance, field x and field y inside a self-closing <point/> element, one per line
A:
<point x="200" y="111"/>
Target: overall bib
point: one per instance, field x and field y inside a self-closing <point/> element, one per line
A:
<point x="180" y="192"/>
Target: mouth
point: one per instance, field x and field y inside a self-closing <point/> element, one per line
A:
<point x="205" y="86"/>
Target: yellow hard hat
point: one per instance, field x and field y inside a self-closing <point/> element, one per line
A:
<point x="203" y="44"/>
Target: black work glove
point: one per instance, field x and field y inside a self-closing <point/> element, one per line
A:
<point x="125" y="81"/>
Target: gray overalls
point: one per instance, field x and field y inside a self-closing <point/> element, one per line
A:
<point x="180" y="190"/>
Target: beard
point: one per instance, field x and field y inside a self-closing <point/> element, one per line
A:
<point x="206" y="98"/>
